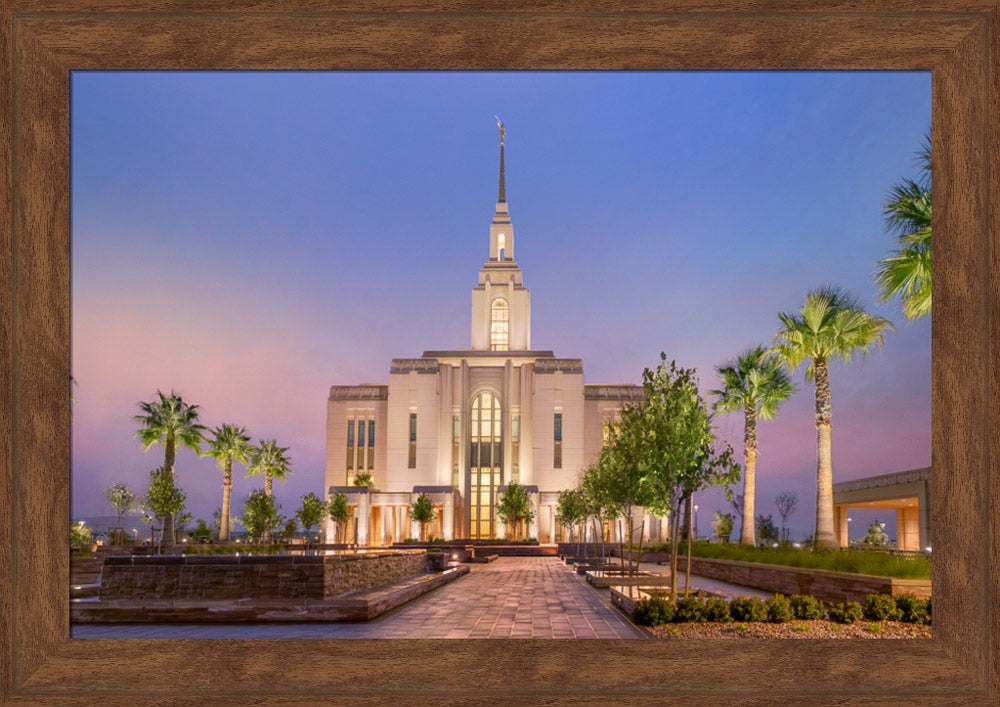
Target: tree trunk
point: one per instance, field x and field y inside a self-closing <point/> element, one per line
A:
<point x="824" y="537"/>
<point x="227" y="490"/>
<point x="673" y="556"/>
<point x="747" y="534"/>
<point x="687" y="572"/>
<point x="167" y="522"/>
<point x="267" y="490"/>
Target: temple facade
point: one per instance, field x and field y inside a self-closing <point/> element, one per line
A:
<point x="460" y="425"/>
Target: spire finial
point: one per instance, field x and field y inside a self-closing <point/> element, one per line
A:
<point x="503" y="188"/>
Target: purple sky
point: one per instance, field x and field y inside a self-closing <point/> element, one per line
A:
<point x="249" y="239"/>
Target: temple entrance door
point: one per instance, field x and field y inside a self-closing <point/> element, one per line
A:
<point x="485" y="463"/>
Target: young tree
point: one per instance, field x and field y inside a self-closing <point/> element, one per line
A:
<point x="311" y="513"/>
<point x="679" y="454"/>
<point x="270" y="461"/>
<point x="123" y="500"/>
<point x="757" y="384"/>
<point x="422" y="511"/>
<point x="907" y="272"/>
<point x="164" y="500"/>
<point x="598" y="501"/>
<point x="229" y="444"/>
<point x="514" y="508"/>
<point x="80" y="534"/>
<point x="340" y="512"/>
<point x="830" y="325"/>
<point x="571" y="511"/>
<point x="260" y="515"/>
<point x="169" y="421"/>
<point x="876" y="536"/>
<point x="626" y="478"/>
<point x="722" y="526"/>
<point x="766" y="532"/>
<point x="364" y="478"/>
<point x="786" y="502"/>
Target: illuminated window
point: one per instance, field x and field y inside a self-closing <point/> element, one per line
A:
<point x="412" y="462"/>
<point x="500" y="247"/>
<point x="371" y="444"/>
<point x="485" y="462"/>
<point x="499" y="325"/>
<point x="557" y="441"/>
<point x="350" y="445"/>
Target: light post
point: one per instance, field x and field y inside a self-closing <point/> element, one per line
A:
<point x="696" y="521"/>
<point x="849" y="531"/>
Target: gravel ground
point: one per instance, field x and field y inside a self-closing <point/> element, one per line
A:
<point x="794" y="629"/>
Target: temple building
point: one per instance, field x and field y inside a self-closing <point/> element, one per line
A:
<point x="459" y="425"/>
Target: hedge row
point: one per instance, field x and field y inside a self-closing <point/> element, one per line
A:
<point x="780" y="609"/>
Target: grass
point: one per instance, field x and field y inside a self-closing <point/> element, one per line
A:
<point x="856" y="561"/>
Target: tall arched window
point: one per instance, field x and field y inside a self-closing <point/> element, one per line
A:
<point x="485" y="463"/>
<point x="499" y="325"/>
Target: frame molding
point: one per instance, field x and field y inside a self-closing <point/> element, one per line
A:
<point x="957" y="40"/>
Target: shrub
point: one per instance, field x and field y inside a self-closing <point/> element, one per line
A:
<point x="779" y="609"/>
<point x="911" y="609"/>
<point x="434" y="549"/>
<point x="806" y="607"/>
<point x="717" y="610"/>
<point x="845" y="613"/>
<point x="747" y="609"/>
<point x="880" y="607"/>
<point x="652" y="612"/>
<point x="690" y="609"/>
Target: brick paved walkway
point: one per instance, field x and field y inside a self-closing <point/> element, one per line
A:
<point x="513" y="597"/>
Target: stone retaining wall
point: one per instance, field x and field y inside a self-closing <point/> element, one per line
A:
<point x="253" y="576"/>
<point x="822" y="584"/>
<point x="348" y="573"/>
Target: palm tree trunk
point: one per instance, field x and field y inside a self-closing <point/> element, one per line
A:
<point x="169" y="457"/>
<point x="824" y="537"/>
<point x="227" y="490"/>
<point x="747" y="534"/>
<point x="267" y="490"/>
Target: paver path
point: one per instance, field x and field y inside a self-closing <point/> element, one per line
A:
<point x="513" y="597"/>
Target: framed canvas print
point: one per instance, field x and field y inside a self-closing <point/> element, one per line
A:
<point x="956" y="42"/>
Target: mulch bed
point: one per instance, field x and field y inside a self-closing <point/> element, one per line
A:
<point x="794" y="629"/>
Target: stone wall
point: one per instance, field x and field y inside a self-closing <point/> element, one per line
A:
<point x="822" y="584"/>
<point x="348" y="573"/>
<point x="256" y="576"/>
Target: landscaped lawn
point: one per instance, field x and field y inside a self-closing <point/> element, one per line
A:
<point x="858" y="561"/>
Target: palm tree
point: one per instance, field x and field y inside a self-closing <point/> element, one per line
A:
<point x="757" y="384"/>
<point x="169" y="421"/>
<point x="830" y="325"/>
<point x="907" y="273"/>
<point x="269" y="459"/>
<point x="231" y="444"/>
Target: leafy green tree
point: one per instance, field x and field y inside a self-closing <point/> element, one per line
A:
<point x="290" y="530"/>
<point x="169" y="421"/>
<point x="830" y="325"/>
<point x="598" y="499"/>
<point x="876" y="536"/>
<point x="123" y="500"/>
<point x="260" y="515"/>
<point x="722" y="526"/>
<point x="364" y="478"/>
<point x="571" y="511"/>
<point x="269" y="460"/>
<point x="906" y="273"/>
<point x="422" y="511"/>
<point x="310" y="513"/>
<point x="229" y="444"/>
<point x="766" y="532"/>
<point x="757" y="384"/>
<point x="786" y="502"/>
<point x="339" y="510"/>
<point x="164" y="500"/>
<point x="80" y="534"/>
<point x="621" y="462"/>
<point x="514" y="508"/>
<point x="680" y="454"/>
<point x="202" y="533"/>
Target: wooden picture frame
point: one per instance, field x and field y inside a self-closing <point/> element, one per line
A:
<point x="957" y="40"/>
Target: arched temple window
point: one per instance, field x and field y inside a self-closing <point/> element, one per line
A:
<point x="485" y="463"/>
<point x="499" y="325"/>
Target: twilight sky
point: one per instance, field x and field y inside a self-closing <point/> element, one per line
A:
<point x="249" y="239"/>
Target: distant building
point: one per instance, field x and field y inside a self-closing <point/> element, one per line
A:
<point x="459" y="425"/>
<point x="908" y="493"/>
